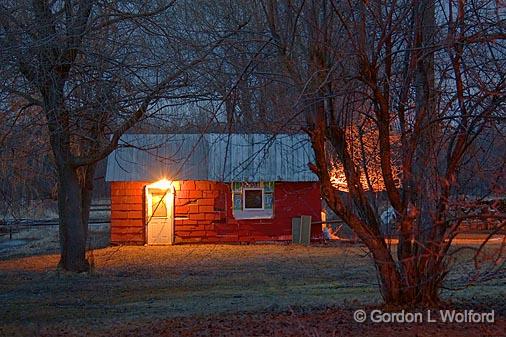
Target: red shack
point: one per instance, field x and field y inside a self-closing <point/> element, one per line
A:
<point x="190" y="188"/>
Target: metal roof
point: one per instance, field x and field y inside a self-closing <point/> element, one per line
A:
<point x="218" y="157"/>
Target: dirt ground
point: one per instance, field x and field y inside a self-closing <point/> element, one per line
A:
<point x="216" y="290"/>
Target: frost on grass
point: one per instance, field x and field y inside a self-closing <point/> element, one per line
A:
<point x="191" y="289"/>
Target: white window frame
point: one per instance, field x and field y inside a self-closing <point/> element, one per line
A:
<point x="244" y="198"/>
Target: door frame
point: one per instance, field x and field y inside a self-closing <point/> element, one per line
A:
<point x="170" y="204"/>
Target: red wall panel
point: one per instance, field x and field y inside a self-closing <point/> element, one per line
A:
<point x="203" y="213"/>
<point x="127" y="213"/>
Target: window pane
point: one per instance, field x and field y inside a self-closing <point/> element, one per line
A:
<point x="253" y="199"/>
<point x="237" y="201"/>
<point x="269" y="186"/>
<point x="236" y="187"/>
<point x="268" y="200"/>
<point x="158" y="206"/>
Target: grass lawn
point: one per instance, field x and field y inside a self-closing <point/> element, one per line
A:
<point x="137" y="290"/>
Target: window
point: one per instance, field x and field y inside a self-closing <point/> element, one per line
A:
<point x="253" y="200"/>
<point x="158" y="206"/>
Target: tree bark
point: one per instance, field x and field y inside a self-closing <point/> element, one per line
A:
<point x="73" y="210"/>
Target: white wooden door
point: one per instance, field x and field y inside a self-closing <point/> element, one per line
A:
<point x="160" y="216"/>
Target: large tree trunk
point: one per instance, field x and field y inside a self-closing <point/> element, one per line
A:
<point x="73" y="204"/>
<point x="87" y="174"/>
<point x="73" y="224"/>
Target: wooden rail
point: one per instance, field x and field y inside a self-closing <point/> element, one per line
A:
<point x="14" y="225"/>
<point x="28" y="223"/>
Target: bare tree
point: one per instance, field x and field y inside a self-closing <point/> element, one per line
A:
<point x="420" y="82"/>
<point x="94" y="70"/>
<point x="24" y="176"/>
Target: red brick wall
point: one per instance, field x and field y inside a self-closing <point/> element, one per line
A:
<point x="203" y="213"/>
<point x="198" y="206"/>
<point x="127" y="212"/>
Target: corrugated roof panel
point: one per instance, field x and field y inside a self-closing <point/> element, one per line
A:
<point x="151" y="157"/>
<point x="219" y="157"/>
